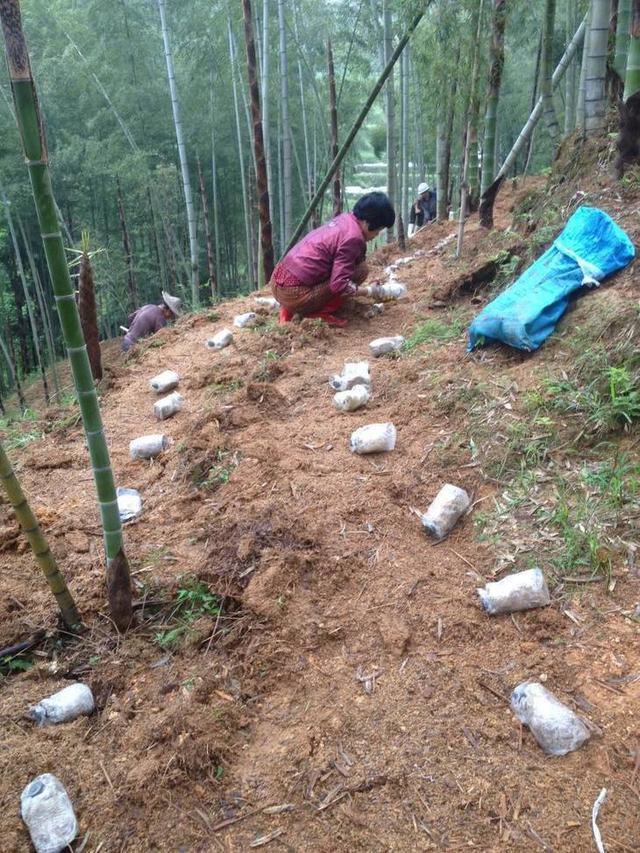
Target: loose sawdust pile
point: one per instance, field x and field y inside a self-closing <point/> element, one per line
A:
<point x="353" y="696"/>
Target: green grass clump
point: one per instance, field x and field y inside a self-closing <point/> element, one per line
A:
<point x="433" y="330"/>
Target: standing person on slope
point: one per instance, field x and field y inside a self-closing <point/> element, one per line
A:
<point x="327" y="266"/>
<point x="423" y="210"/>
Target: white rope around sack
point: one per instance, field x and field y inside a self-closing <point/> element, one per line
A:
<point x="591" y="274"/>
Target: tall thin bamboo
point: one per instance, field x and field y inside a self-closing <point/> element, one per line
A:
<point x="243" y="177"/>
<point x="13" y="373"/>
<point x="404" y="132"/>
<point x="333" y="123"/>
<point x="35" y="150"/>
<point x="285" y="126"/>
<point x="41" y="551"/>
<point x="266" y="240"/>
<point x="548" y="108"/>
<point x="583" y="75"/>
<point x="27" y="296"/>
<point x="214" y="188"/>
<point x="390" y="104"/>
<point x="570" y="81"/>
<point x="43" y="307"/>
<point x="182" y="153"/>
<point x="264" y="93"/>
<point x="132" y="285"/>
<point x="303" y="107"/>
<point x="344" y="148"/>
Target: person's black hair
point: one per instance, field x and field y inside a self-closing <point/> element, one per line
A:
<point x="375" y="209"/>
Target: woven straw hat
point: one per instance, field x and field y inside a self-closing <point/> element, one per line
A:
<point x="172" y="302"/>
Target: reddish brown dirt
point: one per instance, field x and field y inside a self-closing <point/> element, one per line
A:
<point x="329" y="574"/>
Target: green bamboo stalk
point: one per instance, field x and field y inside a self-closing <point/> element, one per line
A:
<point x="346" y="145"/>
<point x="41" y="551"/>
<point x="632" y="76"/>
<point x="35" y="150"/>
<point x="622" y="38"/>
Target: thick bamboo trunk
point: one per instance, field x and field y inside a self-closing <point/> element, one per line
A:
<point x="622" y="38"/>
<point x="333" y="122"/>
<point x="132" y="285"/>
<point x="595" y="102"/>
<point x="498" y="22"/>
<point x="264" y="101"/>
<point x="43" y="556"/>
<point x="262" y="179"/>
<point x="628" y="142"/>
<point x="35" y="151"/>
<point x="182" y="153"/>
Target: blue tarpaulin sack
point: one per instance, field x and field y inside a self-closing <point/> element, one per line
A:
<point x="590" y="248"/>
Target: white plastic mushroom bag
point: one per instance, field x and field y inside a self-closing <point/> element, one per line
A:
<point x="521" y="591"/>
<point x="48" y="813"/>
<point x="373" y="438"/>
<point x="446" y="508"/>
<point x="554" y="726"/>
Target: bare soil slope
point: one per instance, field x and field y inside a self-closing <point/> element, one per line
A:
<point x="352" y="695"/>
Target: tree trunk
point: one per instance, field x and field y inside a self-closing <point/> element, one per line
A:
<point x="595" y="103"/>
<point x="285" y="129"/>
<point x="498" y="22"/>
<point x="132" y="286"/>
<point x="390" y="100"/>
<point x="404" y="136"/>
<point x="88" y="313"/>
<point x="547" y="72"/>
<point x="182" y="153"/>
<point x="214" y="190"/>
<point x="489" y="196"/>
<point x="262" y="180"/>
<point x="35" y="153"/>
<point x="441" y="175"/>
<point x="628" y="142"/>
<point x="333" y="121"/>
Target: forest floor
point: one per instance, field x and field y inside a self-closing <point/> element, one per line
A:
<point x="250" y="725"/>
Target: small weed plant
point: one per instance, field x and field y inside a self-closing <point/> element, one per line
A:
<point x="192" y="601"/>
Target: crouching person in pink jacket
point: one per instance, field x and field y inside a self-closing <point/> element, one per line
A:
<point x="327" y="266"/>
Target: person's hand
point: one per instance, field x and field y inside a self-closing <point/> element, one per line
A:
<point x="351" y="289"/>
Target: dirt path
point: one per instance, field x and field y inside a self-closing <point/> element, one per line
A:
<point x="328" y="579"/>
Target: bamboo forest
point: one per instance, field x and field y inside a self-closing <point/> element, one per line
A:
<point x="319" y="406"/>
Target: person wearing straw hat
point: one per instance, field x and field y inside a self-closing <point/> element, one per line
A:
<point x="423" y="210"/>
<point x="149" y="319"/>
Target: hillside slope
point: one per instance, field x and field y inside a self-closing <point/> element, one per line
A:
<point x="327" y="580"/>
